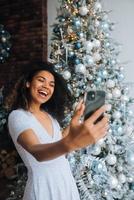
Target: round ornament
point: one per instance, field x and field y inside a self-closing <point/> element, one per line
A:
<point x="88" y="45"/>
<point x="110" y="83"/>
<point x="80" y="68"/>
<point x="113" y="182"/>
<point x="116" y="93"/>
<point x="66" y="75"/>
<point x="111" y="159"/>
<point x="122" y="178"/>
<point x="83" y="10"/>
<point x="96" y="57"/>
<point x="117" y="115"/>
<point x="97" y="7"/>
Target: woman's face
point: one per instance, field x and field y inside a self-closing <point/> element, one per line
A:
<point x="41" y="87"/>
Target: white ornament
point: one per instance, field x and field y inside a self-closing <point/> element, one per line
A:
<point x="96" y="57"/>
<point x="96" y="150"/>
<point x="96" y="43"/>
<point x="3" y="39"/>
<point x="120" y="168"/>
<point x="109" y="95"/>
<point x="80" y="68"/>
<point x="66" y="75"/>
<point x="97" y="7"/>
<point x="88" y="60"/>
<point x="105" y="26"/>
<point x="122" y="178"/>
<point x="97" y="23"/>
<point x="113" y="182"/>
<point x="117" y="115"/>
<point x="116" y="93"/>
<point x="111" y="159"/>
<point x="88" y="45"/>
<point x="130" y="179"/>
<point x="83" y="10"/>
<point x="110" y="83"/>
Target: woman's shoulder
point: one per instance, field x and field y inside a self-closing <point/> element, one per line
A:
<point x="18" y="113"/>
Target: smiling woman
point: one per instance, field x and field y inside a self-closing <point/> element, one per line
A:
<point x="37" y="101"/>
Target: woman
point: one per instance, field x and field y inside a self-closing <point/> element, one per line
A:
<point x="39" y="98"/>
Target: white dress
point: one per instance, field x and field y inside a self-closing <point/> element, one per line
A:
<point x="47" y="180"/>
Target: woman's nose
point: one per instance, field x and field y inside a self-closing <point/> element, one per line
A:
<point x="45" y="84"/>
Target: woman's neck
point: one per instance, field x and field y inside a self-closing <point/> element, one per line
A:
<point x="34" y="108"/>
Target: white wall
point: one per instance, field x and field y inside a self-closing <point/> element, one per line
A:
<point x="52" y="5"/>
<point x="123" y="15"/>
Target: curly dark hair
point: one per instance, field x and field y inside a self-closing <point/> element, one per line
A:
<point x="61" y="99"/>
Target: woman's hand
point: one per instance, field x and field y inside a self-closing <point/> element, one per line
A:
<point x="82" y="134"/>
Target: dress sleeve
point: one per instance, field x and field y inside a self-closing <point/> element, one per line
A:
<point x="18" y="121"/>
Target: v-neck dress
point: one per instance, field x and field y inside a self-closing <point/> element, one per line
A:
<point x="47" y="180"/>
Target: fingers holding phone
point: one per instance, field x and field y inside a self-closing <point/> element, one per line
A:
<point x="79" y="111"/>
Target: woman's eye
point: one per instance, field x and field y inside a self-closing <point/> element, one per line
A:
<point x="41" y="79"/>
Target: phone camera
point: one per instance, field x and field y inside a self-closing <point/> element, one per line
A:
<point x="91" y="96"/>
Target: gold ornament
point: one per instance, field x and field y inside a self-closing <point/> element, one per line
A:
<point x="70" y="1"/>
<point x="71" y="37"/>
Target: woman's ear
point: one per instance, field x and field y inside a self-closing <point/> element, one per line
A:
<point x="27" y="84"/>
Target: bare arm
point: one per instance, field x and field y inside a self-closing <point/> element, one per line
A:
<point x="79" y="136"/>
<point x="29" y="141"/>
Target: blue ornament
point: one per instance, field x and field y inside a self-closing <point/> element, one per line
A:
<point x="61" y="19"/>
<point x="76" y="23"/>
<point x="77" y="61"/>
<point x="71" y="54"/>
<point x="77" y="45"/>
<point x="56" y="30"/>
<point x="81" y="34"/>
<point x="97" y="166"/>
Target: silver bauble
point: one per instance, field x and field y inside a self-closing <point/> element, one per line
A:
<point x="66" y="75"/>
<point x="88" y="45"/>
<point x="111" y="159"/>
<point x="88" y="60"/>
<point x="117" y="115"/>
<point x="109" y="95"/>
<point x="113" y="182"/>
<point x="80" y="68"/>
<point x="96" y="43"/>
<point x="110" y="83"/>
<point x="97" y="7"/>
<point x="96" y="57"/>
<point x="116" y="93"/>
<point x="96" y="150"/>
<point x="83" y="10"/>
<point x="122" y="178"/>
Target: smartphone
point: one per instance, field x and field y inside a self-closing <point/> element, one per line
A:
<point x="93" y="99"/>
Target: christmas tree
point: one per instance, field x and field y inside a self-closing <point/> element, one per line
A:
<point x="5" y="44"/>
<point x="84" y="52"/>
